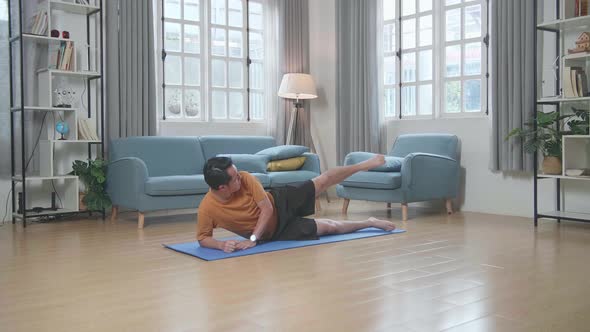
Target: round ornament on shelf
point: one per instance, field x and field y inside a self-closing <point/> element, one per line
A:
<point x="63" y="128"/>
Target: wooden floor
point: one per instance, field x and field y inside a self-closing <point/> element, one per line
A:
<point x="466" y="272"/>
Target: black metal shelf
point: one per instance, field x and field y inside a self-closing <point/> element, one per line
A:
<point x="557" y="27"/>
<point x="18" y="107"/>
<point x="573" y="216"/>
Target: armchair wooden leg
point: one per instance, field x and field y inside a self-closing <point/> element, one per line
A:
<point x="449" y="204"/>
<point x="140" y="219"/>
<point x="114" y="213"/>
<point x="345" y="206"/>
<point x="389" y="205"/>
<point x="404" y="211"/>
<point x="318" y="205"/>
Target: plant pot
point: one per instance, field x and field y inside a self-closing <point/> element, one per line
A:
<point x="552" y="165"/>
<point x="81" y="205"/>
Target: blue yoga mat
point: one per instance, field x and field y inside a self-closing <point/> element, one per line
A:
<point x="193" y="248"/>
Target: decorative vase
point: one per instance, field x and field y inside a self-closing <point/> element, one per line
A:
<point x="81" y="205"/>
<point x="552" y="165"/>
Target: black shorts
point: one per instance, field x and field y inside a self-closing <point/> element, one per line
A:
<point x="293" y="203"/>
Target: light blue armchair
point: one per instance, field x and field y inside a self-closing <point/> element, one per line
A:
<point x="429" y="171"/>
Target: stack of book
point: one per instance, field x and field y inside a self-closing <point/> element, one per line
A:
<point x="581" y="8"/>
<point x="62" y="56"/>
<point x="86" y="130"/>
<point x="39" y="22"/>
<point x="575" y="82"/>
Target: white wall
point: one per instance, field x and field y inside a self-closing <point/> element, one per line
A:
<point x="481" y="189"/>
<point x="322" y="40"/>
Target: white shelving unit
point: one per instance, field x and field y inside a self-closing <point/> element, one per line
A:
<point x="86" y="67"/>
<point x="575" y="148"/>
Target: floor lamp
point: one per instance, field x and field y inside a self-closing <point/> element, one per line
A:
<point x="296" y="86"/>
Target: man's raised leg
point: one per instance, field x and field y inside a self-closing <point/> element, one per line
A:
<point x="329" y="226"/>
<point x="336" y="175"/>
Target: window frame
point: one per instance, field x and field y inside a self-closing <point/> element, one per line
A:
<point x="484" y="66"/>
<point x="438" y="48"/>
<point x="205" y="55"/>
<point x="416" y="50"/>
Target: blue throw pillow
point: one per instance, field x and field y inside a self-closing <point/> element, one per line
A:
<point x="392" y="164"/>
<point x="284" y="151"/>
<point x="248" y="162"/>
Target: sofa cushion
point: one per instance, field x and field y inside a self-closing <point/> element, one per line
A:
<point x="264" y="179"/>
<point x="176" y="185"/>
<point x="374" y="180"/>
<point x="214" y="145"/>
<point x="248" y="162"/>
<point x="281" y="179"/>
<point x="284" y="151"/>
<point x="392" y="164"/>
<point x="291" y="164"/>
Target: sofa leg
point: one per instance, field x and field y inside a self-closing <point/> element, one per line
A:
<point x="449" y="204"/>
<point x="389" y="205"/>
<point x="345" y="206"/>
<point x="114" y="213"/>
<point x="318" y="205"/>
<point x="404" y="211"/>
<point x="140" y="219"/>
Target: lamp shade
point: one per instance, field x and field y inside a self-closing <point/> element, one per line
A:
<point x="297" y="86"/>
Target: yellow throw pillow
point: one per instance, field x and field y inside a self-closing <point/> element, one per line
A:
<point x="290" y="164"/>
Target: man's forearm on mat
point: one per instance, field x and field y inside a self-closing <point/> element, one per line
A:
<point x="210" y="242"/>
<point x="262" y="224"/>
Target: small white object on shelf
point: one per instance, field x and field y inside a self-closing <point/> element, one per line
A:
<point x="574" y="172"/>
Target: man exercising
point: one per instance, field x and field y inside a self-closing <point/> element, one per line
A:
<point x="237" y="202"/>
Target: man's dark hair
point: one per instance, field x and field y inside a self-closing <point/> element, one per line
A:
<point x="215" y="171"/>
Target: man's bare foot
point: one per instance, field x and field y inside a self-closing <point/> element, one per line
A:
<point x="375" y="162"/>
<point x="385" y="225"/>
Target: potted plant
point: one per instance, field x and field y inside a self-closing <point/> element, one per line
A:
<point x="548" y="135"/>
<point x="191" y="107"/>
<point x="93" y="175"/>
<point x="174" y="102"/>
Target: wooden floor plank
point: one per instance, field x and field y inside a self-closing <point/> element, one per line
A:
<point x="464" y="272"/>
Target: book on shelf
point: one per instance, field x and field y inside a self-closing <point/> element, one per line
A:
<point x="62" y="56"/>
<point x="86" y="130"/>
<point x="39" y="22"/>
<point x="575" y="82"/>
<point x="581" y="7"/>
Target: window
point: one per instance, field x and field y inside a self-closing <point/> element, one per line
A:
<point x="212" y="71"/>
<point x="430" y="71"/>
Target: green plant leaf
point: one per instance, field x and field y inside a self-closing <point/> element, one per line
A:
<point x="514" y="132"/>
<point x="93" y="174"/>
